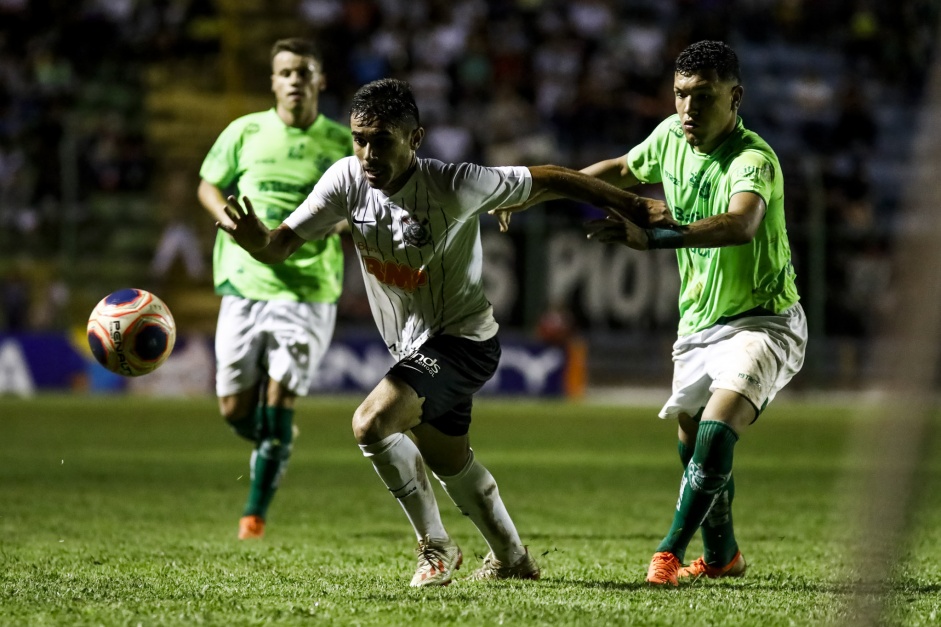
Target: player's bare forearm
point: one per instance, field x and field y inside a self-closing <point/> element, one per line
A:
<point x="213" y="201"/>
<point x="737" y="226"/>
<point x="580" y="186"/>
<point x="282" y="243"/>
<point x="726" y="229"/>
<point x="536" y="197"/>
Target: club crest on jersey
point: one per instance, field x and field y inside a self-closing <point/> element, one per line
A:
<point x="414" y="233"/>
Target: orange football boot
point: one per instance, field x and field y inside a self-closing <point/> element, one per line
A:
<point x="251" y="527"/>
<point x="699" y="568"/>
<point x="663" y="569"/>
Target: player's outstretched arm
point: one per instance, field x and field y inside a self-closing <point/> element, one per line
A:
<point x="646" y="212"/>
<point x="615" y="173"/>
<point x="267" y="246"/>
<point x="735" y="227"/>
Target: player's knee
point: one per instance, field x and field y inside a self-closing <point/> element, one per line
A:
<point x="233" y="407"/>
<point x="365" y="426"/>
<point x="244" y="426"/>
<point x="232" y="412"/>
<point x="372" y="426"/>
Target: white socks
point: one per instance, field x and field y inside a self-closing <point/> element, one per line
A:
<point x="400" y="466"/>
<point x="475" y="493"/>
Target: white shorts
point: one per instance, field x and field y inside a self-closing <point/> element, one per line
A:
<point x="754" y="356"/>
<point x="286" y="339"/>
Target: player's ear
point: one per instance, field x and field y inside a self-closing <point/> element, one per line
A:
<point x="737" y="92"/>
<point x="417" y="136"/>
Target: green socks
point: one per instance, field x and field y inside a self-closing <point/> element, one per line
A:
<point x="718" y="536"/>
<point x="706" y="475"/>
<point x="248" y="427"/>
<point x="270" y="458"/>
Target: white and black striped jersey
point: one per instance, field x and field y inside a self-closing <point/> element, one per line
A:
<point x="419" y="248"/>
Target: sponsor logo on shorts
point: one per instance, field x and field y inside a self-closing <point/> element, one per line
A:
<point x="750" y="379"/>
<point x="426" y="364"/>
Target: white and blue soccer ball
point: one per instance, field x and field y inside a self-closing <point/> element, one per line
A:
<point x="131" y="332"/>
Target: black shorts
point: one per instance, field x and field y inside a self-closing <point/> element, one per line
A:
<point x="447" y="371"/>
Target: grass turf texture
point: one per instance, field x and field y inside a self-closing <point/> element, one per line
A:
<point x="123" y="511"/>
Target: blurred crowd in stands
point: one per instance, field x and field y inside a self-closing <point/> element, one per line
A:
<point x="832" y="85"/>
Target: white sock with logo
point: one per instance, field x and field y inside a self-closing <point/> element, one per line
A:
<point x="400" y="466"/>
<point x="475" y="493"/>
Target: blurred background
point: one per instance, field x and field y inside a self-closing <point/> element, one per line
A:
<point x="107" y="108"/>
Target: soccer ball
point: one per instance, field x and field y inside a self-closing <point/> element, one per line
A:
<point x="131" y="332"/>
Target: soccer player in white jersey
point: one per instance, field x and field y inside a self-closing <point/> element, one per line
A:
<point x="415" y="224"/>
<point x="275" y="323"/>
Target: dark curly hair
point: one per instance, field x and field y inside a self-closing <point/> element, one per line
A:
<point x="388" y="100"/>
<point x="709" y="55"/>
<point x="299" y="46"/>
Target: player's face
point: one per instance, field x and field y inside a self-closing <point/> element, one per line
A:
<point x="386" y="152"/>
<point x="708" y="108"/>
<point x="296" y="81"/>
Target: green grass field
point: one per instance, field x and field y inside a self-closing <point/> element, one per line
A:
<point x="123" y="511"/>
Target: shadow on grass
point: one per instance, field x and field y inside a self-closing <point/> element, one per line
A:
<point x="650" y="538"/>
<point x="724" y="585"/>
<point x="464" y="589"/>
<point x="604" y="586"/>
<point x="460" y="586"/>
<point x="907" y="587"/>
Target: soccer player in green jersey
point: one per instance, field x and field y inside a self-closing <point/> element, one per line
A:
<point x="275" y="322"/>
<point x="742" y="332"/>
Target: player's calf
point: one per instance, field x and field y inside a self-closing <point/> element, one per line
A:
<point x="248" y="427"/>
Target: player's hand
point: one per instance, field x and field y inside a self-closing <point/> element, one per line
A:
<point x="246" y="229"/>
<point x="616" y="230"/>
<point x="658" y="214"/>
<point x="503" y="218"/>
<point x="503" y="214"/>
<point x="648" y="212"/>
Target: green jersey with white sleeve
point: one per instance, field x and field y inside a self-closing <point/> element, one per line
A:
<point x="719" y="284"/>
<point x="276" y="166"/>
